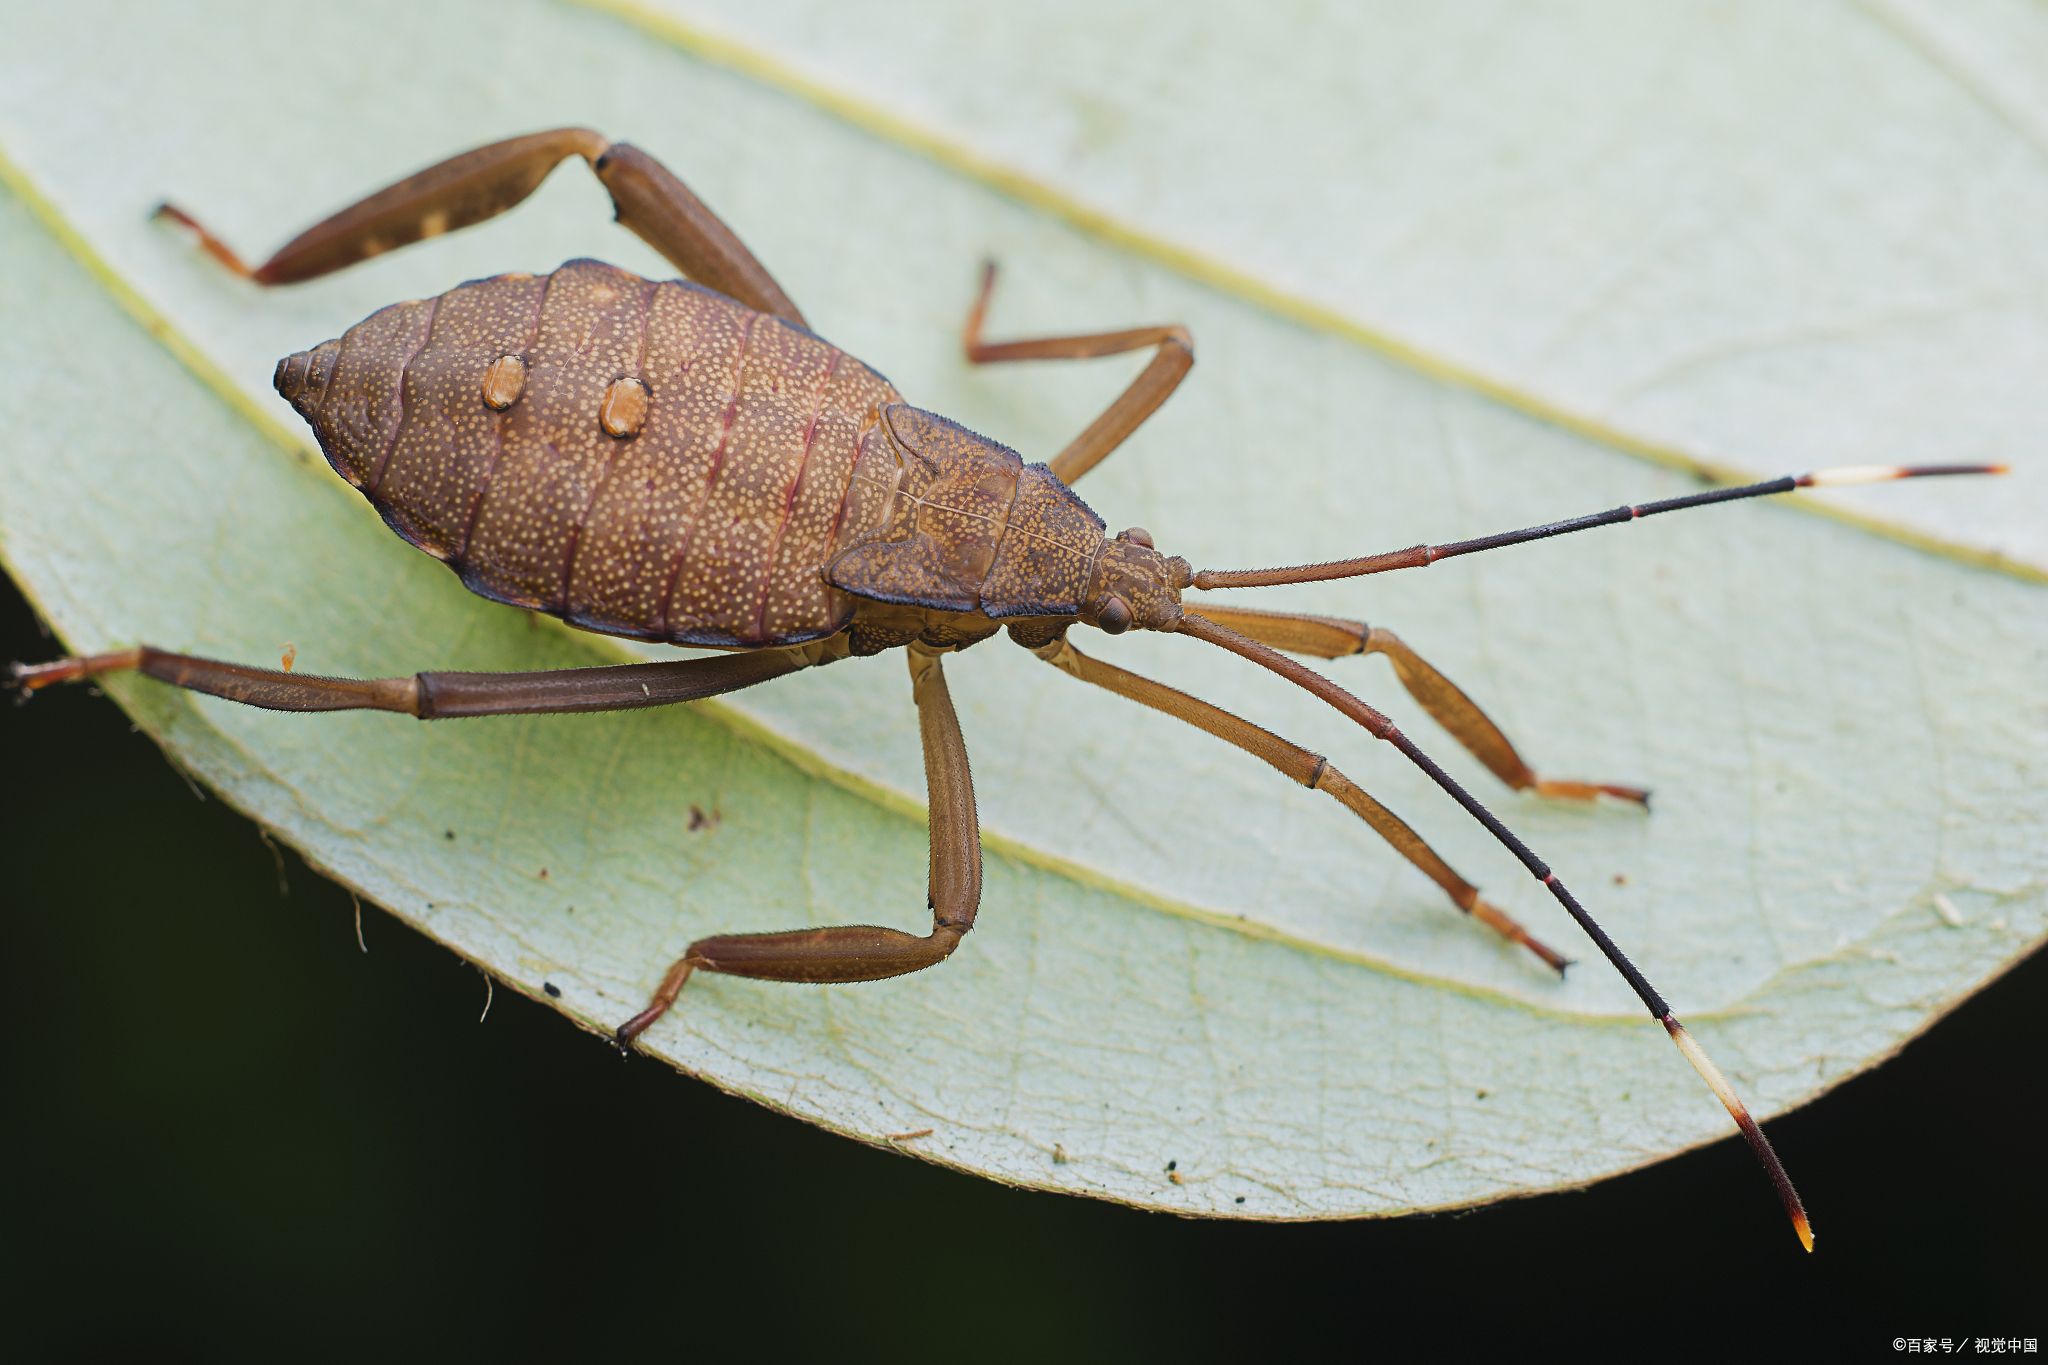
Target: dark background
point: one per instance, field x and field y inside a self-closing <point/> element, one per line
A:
<point x="228" y="1134"/>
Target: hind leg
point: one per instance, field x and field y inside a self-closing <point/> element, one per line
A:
<point x="483" y="183"/>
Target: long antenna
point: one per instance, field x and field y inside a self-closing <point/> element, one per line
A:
<point x="1422" y="556"/>
<point x="1380" y="727"/>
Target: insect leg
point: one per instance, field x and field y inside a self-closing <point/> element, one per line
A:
<point x="1380" y="727"/>
<point x="1151" y="388"/>
<point x="436" y="696"/>
<point x="1309" y="769"/>
<point x="485" y="182"/>
<point x="867" y="952"/>
<point x="663" y="212"/>
<point x="453" y="194"/>
<point x="1330" y="637"/>
<point x="1324" y="637"/>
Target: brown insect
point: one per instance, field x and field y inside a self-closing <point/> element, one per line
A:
<point x="689" y="463"/>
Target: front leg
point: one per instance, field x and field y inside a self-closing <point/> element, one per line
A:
<point x="867" y="952"/>
<point x="1331" y="637"/>
<point x="1310" y="770"/>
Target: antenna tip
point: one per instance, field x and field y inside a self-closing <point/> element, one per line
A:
<point x="1880" y="473"/>
<point x="1804" y="1229"/>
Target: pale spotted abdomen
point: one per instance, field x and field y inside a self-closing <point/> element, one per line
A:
<point x="646" y="459"/>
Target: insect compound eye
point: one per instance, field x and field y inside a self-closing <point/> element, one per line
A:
<point x="1115" y="617"/>
<point x="625" y="408"/>
<point x="504" y="382"/>
<point x="1138" y="535"/>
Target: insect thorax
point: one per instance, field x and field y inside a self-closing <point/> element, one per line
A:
<point x="974" y="537"/>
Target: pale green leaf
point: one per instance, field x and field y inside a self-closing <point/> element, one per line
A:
<point x="1180" y="956"/>
<point x="1753" y="237"/>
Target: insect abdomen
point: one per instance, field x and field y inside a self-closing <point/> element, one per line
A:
<point x="705" y="522"/>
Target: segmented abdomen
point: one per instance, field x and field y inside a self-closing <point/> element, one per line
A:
<point x="706" y="525"/>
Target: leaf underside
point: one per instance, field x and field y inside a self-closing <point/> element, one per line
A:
<point x="1181" y="957"/>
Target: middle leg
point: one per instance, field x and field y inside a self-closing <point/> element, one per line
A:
<point x="868" y="952"/>
<point x="1151" y="388"/>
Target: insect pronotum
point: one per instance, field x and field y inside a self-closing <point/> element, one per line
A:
<point x="689" y="463"/>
